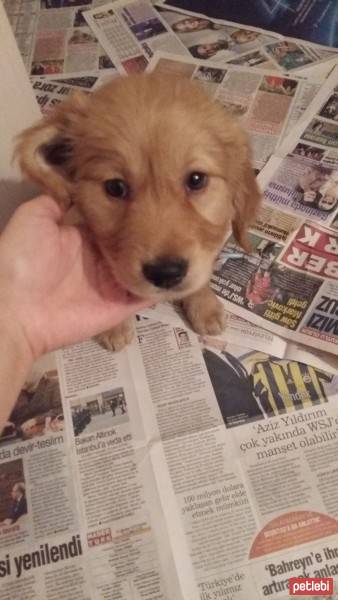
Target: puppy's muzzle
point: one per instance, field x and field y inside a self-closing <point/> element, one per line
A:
<point x="166" y="273"/>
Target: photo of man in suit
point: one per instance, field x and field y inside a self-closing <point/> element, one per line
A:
<point x="19" y="503"/>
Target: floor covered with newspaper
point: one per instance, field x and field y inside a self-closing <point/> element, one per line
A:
<point x="192" y="467"/>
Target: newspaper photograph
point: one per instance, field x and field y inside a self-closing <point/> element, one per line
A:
<point x="267" y="104"/>
<point x="314" y="22"/>
<point x="290" y="56"/>
<point x="257" y="59"/>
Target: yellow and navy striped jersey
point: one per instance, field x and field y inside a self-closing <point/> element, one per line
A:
<point x="283" y="386"/>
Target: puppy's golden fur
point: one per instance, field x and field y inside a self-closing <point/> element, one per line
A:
<point x="152" y="133"/>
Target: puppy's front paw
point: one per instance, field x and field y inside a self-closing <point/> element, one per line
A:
<point x="205" y="312"/>
<point x="118" y="338"/>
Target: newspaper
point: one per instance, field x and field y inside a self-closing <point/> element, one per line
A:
<point x="300" y="19"/>
<point x="75" y="516"/>
<point x="23" y="16"/>
<point x="267" y="103"/>
<point x="205" y="34"/>
<point x="54" y="38"/>
<point x="132" y="31"/>
<point x="288" y="283"/>
<point x="256" y="338"/>
<point x="143" y="474"/>
<point x="187" y="468"/>
<point x="50" y="91"/>
<point x="247" y="93"/>
<point x="239" y="535"/>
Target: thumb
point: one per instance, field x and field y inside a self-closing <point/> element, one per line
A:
<point x="41" y="207"/>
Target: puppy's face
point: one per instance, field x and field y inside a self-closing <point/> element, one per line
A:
<point x="158" y="172"/>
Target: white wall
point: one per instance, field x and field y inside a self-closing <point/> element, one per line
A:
<point x="18" y="109"/>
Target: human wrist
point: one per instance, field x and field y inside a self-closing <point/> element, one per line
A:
<point x="15" y="344"/>
<point x="15" y="364"/>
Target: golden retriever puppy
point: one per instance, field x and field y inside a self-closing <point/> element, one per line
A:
<point x="159" y="174"/>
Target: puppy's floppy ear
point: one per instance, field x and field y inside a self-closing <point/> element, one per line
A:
<point x="239" y="173"/>
<point x="246" y="201"/>
<point x="45" y="151"/>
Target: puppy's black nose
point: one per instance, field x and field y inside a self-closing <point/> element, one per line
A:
<point x="166" y="273"/>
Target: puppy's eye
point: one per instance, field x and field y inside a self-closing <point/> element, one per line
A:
<point x="117" y="188"/>
<point x="196" y="181"/>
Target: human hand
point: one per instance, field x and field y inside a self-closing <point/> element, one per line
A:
<point x="55" y="288"/>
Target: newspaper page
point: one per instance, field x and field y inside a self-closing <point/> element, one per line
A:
<point x="23" y="16"/>
<point x="256" y="338"/>
<point x="204" y="36"/>
<point x="249" y="442"/>
<point x="79" y="517"/>
<point x="54" y="38"/>
<point x="143" y="474"/>
<point x="83" y="497"/>
<point x="311" y="356"/>
<point x="42" y="546"/>
<point x="131" y="32"/>
<point x="124" y="534"/>
<point x="236" y="328"/>
<point x="209" y="39"/>
<point x="314" y="22"/>
<point x="240" y="90"/>
<point x="267" y="103"/>
<point x="50" y="91"/>
<point x="288" y="283"/>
